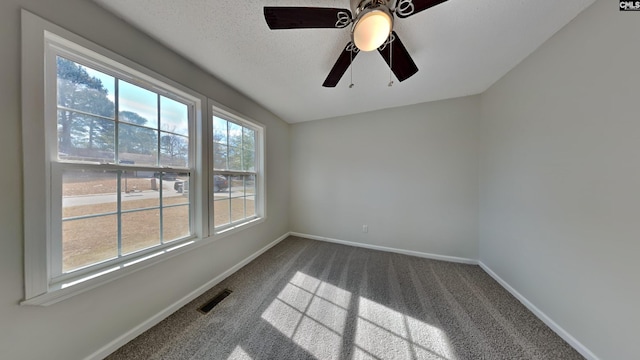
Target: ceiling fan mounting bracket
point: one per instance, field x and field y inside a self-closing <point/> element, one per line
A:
<point x="358" y="6"/>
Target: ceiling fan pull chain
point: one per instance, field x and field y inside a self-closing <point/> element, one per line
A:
<point x="351" y="68"/>
<point x="390" y="61"/>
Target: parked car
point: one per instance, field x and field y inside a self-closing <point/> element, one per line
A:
<point x="220" y="183"/>
<point x="181" y="186"/>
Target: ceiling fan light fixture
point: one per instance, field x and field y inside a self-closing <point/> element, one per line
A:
<point x="372" y="28"/>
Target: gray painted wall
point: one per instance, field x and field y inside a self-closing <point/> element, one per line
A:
<point x="75" y="328"/>
<point x="408" y="173"/>
<point x="555" y="143"/>
<point x="560" y="179"/>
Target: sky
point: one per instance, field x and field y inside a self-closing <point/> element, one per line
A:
<point x="174" y="115"/>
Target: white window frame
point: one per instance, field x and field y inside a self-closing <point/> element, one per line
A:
<point x="57" y="46"/>
<point x="38" y="149"/>
<point x="221" y="111"/>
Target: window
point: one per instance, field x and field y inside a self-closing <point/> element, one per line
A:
<point x="119" y="166"/>
<point x="121" y="151"/>
<point x="237" y="176"/>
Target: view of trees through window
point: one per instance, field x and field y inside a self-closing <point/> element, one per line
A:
<point x="141" y="201"/>
<point x="234" y="162"/>
<point x="87" y="121"/>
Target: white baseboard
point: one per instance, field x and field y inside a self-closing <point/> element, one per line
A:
<point x="389" y="249"/>
<point x="154" y="320"/>
<point x="583" y="350"/>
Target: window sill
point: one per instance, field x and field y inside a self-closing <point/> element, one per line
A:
<point x="74" y="286"/>
<point x="66" y="289"/>
<point x="220" y="234"/>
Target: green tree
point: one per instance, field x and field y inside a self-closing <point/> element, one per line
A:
<point x="174" y="148"/>
<point x="234" y="146"/>
<point x="80" y="94"/>
<point x="136" y="139"/>
<point x="220" y="147"/>
<point x="248" y="149"/>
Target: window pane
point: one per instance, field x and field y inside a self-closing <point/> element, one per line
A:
<point x="219" y="130"/>
<point x="175" y="189"/>
<point x="140" y="230"/>
<point x="89" y="241"/>
<point x="251" y="206"/>
<point x="174" y="150"/>
<point x="248" y="149"/>
<point x="175" y="223"/>
<point x="221" y="212"/>
<point x="138" y="145"/>
<point x="85" y="138"/>
<point x="137" y="105"/>
<point x="239" y="200"/>
<point x="248" y="138"/>
<point x="237" y="186"/>
<point x="235" y="158"/>
<point x="250" y="184"/>
<point x="220" y="186"/>
<point x="220" y="156"/>
<point x="248" y="160"/>
<point x="174" y="116"/>
<point x="235" y="135"/>
<point x="137" y="192"/>
<point x="87" y="192"/>
<point x="237" y="209"/>
<point x="84" y="89"/>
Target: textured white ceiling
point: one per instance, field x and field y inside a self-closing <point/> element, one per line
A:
<point x="461" y="47"/>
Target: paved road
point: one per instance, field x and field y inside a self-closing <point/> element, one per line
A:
<point x="168" y="191"/>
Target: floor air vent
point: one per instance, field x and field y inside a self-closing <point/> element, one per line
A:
<point x="215" y="301"/>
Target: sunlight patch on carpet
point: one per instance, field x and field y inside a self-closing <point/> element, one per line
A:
<point x="384" y="333"/>
<point x="239" y="354"/>
<point x="312" y="313"/>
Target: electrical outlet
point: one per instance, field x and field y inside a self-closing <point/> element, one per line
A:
<point x="365" y="228"/>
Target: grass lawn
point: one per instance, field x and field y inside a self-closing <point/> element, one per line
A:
<point x="87" y="241"/>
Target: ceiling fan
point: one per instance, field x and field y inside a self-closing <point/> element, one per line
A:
<point x="372" y="29"/>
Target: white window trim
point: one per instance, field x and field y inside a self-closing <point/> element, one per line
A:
<point x="219" y="110"/>
<point x="57" y="46"/>
<point x="37" y="185"/>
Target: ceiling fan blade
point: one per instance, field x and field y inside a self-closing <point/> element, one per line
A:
<point x="340" y="67"/>
<point x="406" y="8"/>
<point x="400" y="61"/>
<point x="306" y="17"/>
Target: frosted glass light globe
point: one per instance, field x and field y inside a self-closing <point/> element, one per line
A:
<point x="372" y="30"/>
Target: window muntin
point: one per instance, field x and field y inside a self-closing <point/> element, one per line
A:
<point x="235" y="176"/>
<point x="133" y="205"/>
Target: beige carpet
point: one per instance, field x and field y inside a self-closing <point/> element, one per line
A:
<point x="306" y="299"/>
